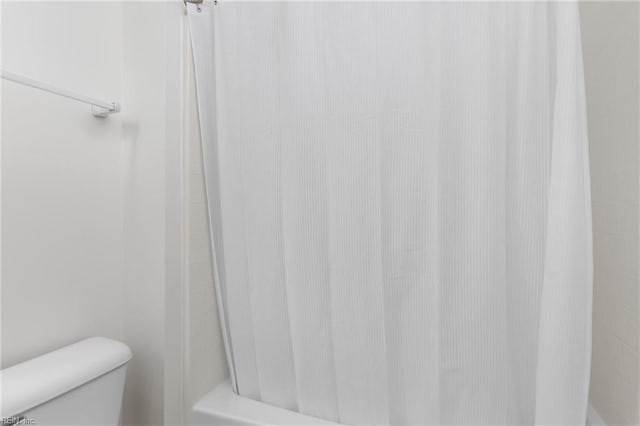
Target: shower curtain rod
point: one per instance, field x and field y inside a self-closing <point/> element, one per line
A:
<point x="99" y="108"/>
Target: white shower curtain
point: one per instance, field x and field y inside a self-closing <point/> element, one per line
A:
<point x="400" y="209"/>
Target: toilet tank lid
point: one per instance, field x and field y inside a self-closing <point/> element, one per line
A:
<point x="34" y="382"/>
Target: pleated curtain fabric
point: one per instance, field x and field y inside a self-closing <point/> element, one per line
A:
<point x="400" y="207"/>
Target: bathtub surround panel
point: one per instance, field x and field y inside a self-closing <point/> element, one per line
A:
<point x="206" y="361"/>
<point x="400" y="207"/>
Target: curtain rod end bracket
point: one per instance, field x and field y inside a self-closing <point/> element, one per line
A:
<point x="101" y="112"/>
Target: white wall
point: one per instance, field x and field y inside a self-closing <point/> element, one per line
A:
<point x="610" y="32"/>
<point x="61" y="178"/>
<point x="91" y="209"/>
<point x="152" y="130"/>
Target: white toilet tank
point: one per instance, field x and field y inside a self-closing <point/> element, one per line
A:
<point x="80" y="384"/>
